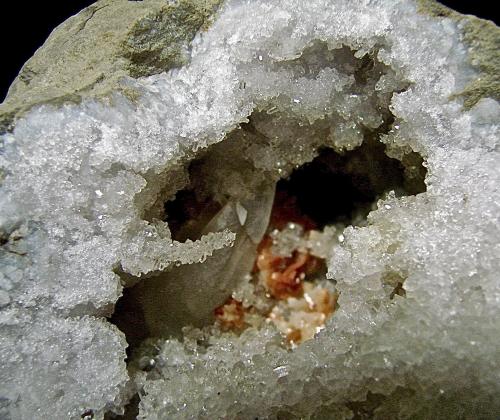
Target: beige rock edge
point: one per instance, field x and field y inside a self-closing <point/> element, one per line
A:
<point x="483" y="38"/>
<point x="90" y="53"/>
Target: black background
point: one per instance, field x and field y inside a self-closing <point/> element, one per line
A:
<point x="24" y="28"/>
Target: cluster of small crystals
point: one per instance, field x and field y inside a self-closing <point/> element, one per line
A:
<point x="286" y="288"/>
<point x="302" y="316"/>
<point x="77" y="182"/>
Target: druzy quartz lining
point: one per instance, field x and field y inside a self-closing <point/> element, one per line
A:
<point x="268" y="86"/>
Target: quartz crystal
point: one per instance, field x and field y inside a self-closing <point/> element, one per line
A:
<point x="127" y="217"/>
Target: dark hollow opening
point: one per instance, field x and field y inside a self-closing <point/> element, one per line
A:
<point x="342" y="188"/>
<point x="187" y="214"/>
<point x="128" y="316"/>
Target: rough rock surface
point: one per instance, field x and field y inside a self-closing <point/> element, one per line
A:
<point x="146" y="99"/>
<point x="483" y="39"/>
<point x="89" y="53"/>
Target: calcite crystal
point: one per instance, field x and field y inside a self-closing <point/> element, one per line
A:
<point x="142" y="151"/>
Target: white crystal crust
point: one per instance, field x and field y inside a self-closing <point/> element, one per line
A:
<point x="79" y="180"/>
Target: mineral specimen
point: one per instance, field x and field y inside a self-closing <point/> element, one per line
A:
<point x="253" y="209"/>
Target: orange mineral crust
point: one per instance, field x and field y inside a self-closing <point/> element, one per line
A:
<point x="231" y="315"/>
<point x="299" y="304"/>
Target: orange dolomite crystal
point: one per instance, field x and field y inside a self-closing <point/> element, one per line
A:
<point x="231" y="315"/>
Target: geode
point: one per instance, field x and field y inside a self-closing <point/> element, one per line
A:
<point x="253" y="209"/>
